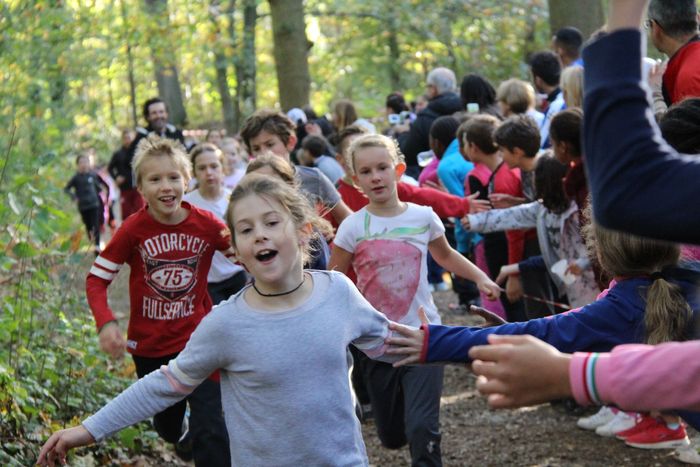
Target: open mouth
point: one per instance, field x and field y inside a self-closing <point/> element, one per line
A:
<point x="167" y="199"/>
<point x="265" y="255"/>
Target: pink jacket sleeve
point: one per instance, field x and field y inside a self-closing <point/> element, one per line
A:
<point x="639" y="377"/>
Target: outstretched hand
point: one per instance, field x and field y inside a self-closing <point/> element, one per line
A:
<point x="507" y="271"/>
<point x="477" y="205"/>
<point x="503" y="200"/>
<point x="516" y="371"/>
<point x="490" y="288"/>
<point x="407" y="341"/>
<point x="491" y="318"/>
<point x="57" y="446"/>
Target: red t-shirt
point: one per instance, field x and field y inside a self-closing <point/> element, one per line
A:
<point x="682" y="76"/>
<point x="507" y="181"/>
<point x="168" y="278"/>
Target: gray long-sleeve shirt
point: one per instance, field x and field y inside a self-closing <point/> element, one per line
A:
<point x="284" y="383"/>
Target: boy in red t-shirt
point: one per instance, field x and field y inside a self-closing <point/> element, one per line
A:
<point x="168" y="245"/>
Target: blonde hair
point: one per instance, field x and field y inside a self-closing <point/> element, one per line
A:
<point x="291" y="200"/>
<point x="517" y="94"/>
<point x="153" y="146"/>
<point x="572" y="86"/>
<point x="281" y="167"/>
<point x="373" y="141"/>
<point x="667" y="313"/>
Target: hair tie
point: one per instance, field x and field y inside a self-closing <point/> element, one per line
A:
<point x="656" y="275"/>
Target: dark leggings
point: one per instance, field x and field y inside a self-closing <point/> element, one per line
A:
<point x="210" y="445"/>
<point x="406" y="407"/>
<point x="496" y="252"/>
<point x="91" y="219"/>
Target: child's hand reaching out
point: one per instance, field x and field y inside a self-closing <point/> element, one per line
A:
<point x="489" y="287"/>
<point x="57" y="446"/>
<point x="406" y="341"/>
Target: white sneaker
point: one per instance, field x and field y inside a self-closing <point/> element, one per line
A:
<point x="688" y="454"/>
<point x="620" y="422"/>
<point x="600" y="418"/>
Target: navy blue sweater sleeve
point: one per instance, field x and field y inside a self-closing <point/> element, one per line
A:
<point x="532" y="263"/>
<point x="615" y="319"/>
<point x="638" y="183"/>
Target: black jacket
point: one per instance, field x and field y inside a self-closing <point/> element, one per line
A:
<point x="416" y="139"/>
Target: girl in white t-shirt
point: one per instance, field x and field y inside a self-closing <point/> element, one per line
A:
<point x="387" y="244"/>
<point x="225" y="278"/>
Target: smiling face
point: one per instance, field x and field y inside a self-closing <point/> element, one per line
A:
<point x="208" y="171"/>
<point x="265" y="141"/>
<point x="157" y="116"/>
<point x="162" y="185"/>
<point x="267" y="242"/>
<point x="376" y="174"/>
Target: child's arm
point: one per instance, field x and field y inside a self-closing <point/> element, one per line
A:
<point x="70" y="187"/>
<point x="601" y="325"/>
<point x="505" y="200"/>
<point x="629" y="167"/>
<point x="102" y="273"/>
<point x="340" y="259"/>
<point x="523" y="216"/>
<point x="452" y="261"/>
<point x="444" y="204"/>
<point x="521" y="370"/>
<point x="205" y="352"/>
<point x="340" y="211"/>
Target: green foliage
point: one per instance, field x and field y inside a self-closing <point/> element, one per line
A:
<point x="352" y="56"/>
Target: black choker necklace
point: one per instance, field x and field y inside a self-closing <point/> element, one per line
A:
<point x="281" y="293"/>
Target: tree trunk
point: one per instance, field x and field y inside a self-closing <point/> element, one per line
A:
<point x="164" y="61"/>
<point x="228" y="105"/>
<point x="291" y="52"/>
<point x="246" y="68"/>
<point x="587" y="15"/>
<point x="130" y="65"/>
<point x="394" y="53"/>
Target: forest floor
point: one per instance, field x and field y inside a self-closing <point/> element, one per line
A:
<point x="473" y="434"/>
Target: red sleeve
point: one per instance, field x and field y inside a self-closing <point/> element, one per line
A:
<point x="444" y="204"/>
<point x="103" y="271"/>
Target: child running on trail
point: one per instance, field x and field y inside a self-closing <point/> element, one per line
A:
<point x="168" y="245"/>
<point x="225" y="278"/>
<point x="273" y="341"/>
<point x="649" y="300"/>
<point x="387" y="243"/>
<point x="84" y="188"/>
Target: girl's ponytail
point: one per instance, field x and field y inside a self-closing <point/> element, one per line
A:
<point x="667" y="314"/>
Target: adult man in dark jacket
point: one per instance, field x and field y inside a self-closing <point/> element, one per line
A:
<point x="155" y="111"/>
<point x="441" y="83"/>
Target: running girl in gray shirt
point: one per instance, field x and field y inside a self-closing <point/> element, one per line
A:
<point x="274" y="342"/>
